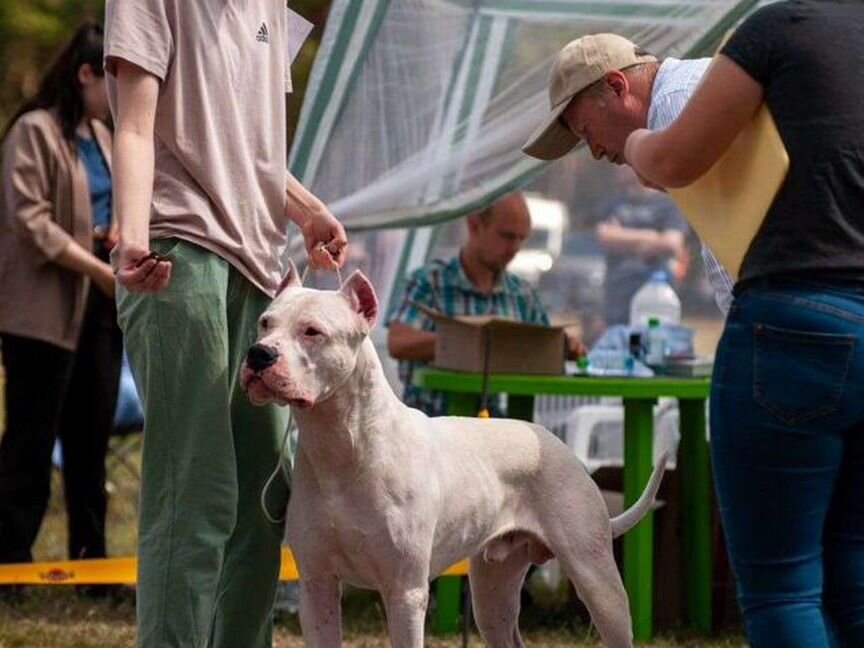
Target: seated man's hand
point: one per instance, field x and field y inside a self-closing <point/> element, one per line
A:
<point x="575" y="347"/>
<point x="406" y="342"/>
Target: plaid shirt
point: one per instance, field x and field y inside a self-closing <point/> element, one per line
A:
<point x="443" y="286"/>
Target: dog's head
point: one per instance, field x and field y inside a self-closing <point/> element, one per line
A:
<point x="308" y="341"/>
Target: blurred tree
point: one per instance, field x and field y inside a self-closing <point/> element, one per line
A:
<point x="31" y="32"/>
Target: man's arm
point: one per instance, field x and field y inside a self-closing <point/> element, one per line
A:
<point x="137" y="95"/>
<point x="324" y="236"/>
<point x="410" y="333"/>
<point x="405" y="342"/>
<point x="720" y="108"/>
<point x="646" y="243"/>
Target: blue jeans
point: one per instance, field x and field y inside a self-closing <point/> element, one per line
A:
<point x="787" y="444"/>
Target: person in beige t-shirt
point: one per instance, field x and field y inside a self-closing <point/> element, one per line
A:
<point x="204" y="204"/>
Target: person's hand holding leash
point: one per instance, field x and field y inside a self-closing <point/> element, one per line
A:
<point x="324" y="236"/>
<point x="326" y="242"/>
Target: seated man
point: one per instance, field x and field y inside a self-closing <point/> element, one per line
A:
<point x="475" y="282"/>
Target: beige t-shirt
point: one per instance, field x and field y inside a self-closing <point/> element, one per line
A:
<point x="221" y="155"/>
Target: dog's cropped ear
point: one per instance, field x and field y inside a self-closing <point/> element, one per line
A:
<point x="361" y="295"/>
<point x="291" y="278"/>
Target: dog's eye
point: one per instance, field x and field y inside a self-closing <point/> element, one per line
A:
<point x="264" y="323"/>
<point x="311" y="331"/>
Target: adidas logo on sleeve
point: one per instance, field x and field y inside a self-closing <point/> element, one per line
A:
<point x="263" y="35"/>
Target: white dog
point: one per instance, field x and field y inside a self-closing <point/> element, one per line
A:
<point x="384" y="497"/>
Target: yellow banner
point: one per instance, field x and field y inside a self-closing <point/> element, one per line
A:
<point x="106" y="571"/>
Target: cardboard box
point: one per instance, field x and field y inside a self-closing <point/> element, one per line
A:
<point x="514" y="347"/>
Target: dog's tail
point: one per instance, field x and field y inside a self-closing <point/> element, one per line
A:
<point x="621" y="524"/>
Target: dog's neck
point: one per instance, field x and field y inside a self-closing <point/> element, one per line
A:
<point x="337" y="430"/>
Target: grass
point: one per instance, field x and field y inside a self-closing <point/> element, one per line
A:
<point x="56" y="617"/>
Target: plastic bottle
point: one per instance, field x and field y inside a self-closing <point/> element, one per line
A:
<point x="655" y="298"/>
<point x="656" y="351"/>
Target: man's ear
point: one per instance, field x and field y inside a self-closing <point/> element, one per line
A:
<point x="617" y="82"/>
<point x="291" y="278"/>
<point x="361" y="295"/>
<point x="475" y="223"/>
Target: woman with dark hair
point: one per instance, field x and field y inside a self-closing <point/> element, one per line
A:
<point x="61" y="346"/>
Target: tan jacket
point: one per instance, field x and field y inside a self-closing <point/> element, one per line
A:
<point x="45" y="204"/>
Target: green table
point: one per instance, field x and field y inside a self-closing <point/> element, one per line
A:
<point x="639" y="396"/>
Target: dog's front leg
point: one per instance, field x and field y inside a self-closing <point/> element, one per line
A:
<point x="406" y="614"/>
<point x="320" y="612"/>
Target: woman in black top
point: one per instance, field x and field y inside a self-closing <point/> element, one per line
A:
<point x="787" y="417"/>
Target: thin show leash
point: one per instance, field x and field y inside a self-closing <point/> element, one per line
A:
<point x="487" y="338"/>
<point x="281" y="463"/>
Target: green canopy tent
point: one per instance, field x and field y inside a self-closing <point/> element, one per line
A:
<point x="416" y="109"/>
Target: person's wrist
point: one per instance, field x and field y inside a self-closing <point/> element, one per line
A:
<point x="132" y="242"/>
<point x="96" y="269"/>
<point x="308" y="215"/>
<point x="130" y="234"/>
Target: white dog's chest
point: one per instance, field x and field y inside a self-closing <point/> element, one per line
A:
<point x="359" y="554"/>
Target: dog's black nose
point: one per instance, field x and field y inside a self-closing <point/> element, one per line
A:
<point x="261" y="356"/>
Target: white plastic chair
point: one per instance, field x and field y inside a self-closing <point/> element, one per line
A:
<point x="595" y="433"/>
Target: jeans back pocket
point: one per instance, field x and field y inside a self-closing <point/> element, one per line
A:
<point x="799" y="376"/>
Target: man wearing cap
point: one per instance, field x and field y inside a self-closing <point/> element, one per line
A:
<point x="602" y="88"/>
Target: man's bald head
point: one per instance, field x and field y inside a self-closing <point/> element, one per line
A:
<point x="497" y="233"/>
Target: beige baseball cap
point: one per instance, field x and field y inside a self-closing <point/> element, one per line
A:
<point x="581" y="63"/>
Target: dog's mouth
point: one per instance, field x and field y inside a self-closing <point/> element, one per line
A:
<point x="258" y="391"/>
<point x="261" y="391"/>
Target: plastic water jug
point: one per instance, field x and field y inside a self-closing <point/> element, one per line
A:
<point x="655" y="299"/>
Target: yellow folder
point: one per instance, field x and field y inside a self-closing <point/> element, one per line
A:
<point x="727" y="205"/>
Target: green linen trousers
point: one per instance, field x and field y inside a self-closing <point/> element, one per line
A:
<point x="208" y="558"/>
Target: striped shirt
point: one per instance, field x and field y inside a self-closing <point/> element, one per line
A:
<point x="674" y="84"/>
<point x="443" y="286"/>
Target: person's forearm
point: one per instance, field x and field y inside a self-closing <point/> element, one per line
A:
<point x="134" y="119"/>
<point x="725" y="101"/>
<point x="76" y="258"/>
<point x="649" y="154"/>
<point x="301" y="204"/>
<point x="643" y="242"/>
<point x="405" y="342"/>
<point x="631" y="240"/>
<point x="324" y="237"/>
<point x="133" y="185"/>
<point x="79" y="260"/>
